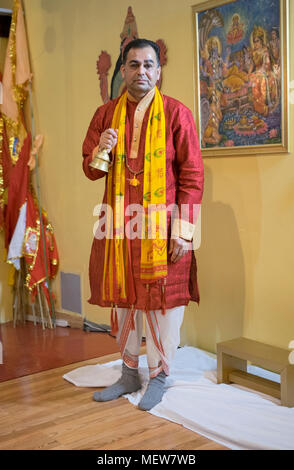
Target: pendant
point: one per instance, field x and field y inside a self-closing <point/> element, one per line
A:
<point x="134" y="181"/>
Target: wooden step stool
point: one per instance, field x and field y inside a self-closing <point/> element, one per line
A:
<point x="232" y="357"/>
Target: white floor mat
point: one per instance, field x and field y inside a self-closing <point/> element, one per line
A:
<point x="234" y="416"/>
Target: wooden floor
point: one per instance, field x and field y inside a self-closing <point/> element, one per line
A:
<point x="44" y="411"/>
<point x="28" y="349"/>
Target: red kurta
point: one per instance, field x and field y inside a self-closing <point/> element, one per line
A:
<point x="184" y="185"/>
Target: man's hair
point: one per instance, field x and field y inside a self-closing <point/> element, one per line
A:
<point x="140" y="44"/>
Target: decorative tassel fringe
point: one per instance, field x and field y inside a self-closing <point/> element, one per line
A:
<point x="114" y="320"/>
<point x="163" y="297"/>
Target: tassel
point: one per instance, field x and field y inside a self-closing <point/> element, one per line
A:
<point x="114" y="320"/>
<point x="163" y="297"/>
<point x="132" y="318"/>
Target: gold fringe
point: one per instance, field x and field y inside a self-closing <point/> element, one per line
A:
<point x="1" y="165"/>
<point x="15" y="129"/>
<point x="19" y="91"/>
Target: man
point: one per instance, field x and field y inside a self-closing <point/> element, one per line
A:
<point x="156" y="162"/>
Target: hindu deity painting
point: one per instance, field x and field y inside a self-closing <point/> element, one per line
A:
<point x="240" y="73"/>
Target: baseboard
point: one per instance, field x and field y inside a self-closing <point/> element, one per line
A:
<point x="74" y="321"/>
<point x="62" y="319"/>
<point x="59" y="322"/>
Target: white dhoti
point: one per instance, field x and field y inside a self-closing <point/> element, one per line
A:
<point x="162" y="337"/>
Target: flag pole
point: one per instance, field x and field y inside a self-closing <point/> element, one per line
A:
<point x="39" y="194"/>
<point x="40" y="207"/>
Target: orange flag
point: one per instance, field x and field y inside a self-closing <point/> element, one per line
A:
<point x="17" y="71"/>
<point x="15" y="141"/>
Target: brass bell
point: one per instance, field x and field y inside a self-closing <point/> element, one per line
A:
<point x="101" y="161"/>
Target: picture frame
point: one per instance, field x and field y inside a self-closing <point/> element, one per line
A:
<point x="241" y="76"/>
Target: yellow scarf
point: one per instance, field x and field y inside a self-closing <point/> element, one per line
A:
<point x="154" y="238"/>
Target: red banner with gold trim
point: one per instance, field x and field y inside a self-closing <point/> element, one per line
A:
<point x="19" y="207"/>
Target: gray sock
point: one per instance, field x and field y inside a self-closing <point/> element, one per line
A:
<point x="154" y="392"/>
<point x="128" y="383"/>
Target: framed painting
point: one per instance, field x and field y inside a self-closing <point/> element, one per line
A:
<point x="241" y="80"/>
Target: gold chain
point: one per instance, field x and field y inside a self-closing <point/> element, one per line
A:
<point x="134" y="181"/>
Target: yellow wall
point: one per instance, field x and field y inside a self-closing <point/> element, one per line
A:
<point x="246" y="259"/>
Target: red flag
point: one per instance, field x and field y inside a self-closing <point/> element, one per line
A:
<point x="33" y="248"/>
<point x="15" y="141"/>
<point x="19" y="209"/>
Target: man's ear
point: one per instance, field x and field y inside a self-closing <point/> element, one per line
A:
<point x="122" y="70"/>
<point x="158" y="72"/>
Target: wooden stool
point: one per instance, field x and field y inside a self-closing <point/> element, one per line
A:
<point x="232" y="357"/>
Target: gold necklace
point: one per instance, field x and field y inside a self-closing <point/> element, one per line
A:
<point x="134" y="181"/>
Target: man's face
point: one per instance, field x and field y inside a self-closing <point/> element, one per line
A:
<point x="140" y="71"/>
